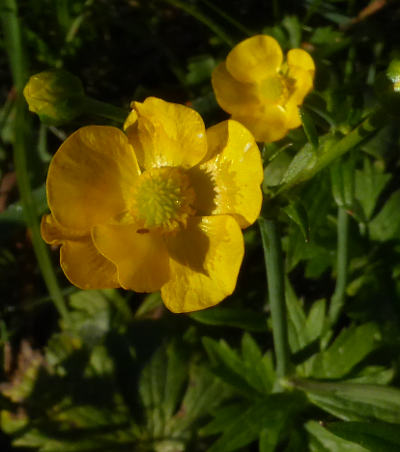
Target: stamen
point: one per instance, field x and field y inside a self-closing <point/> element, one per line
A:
<point x="163" y="199"/>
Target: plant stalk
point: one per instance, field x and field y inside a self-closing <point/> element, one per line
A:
<point x="22" y="129"/>
<point x="273" y="256"/>
<point x="339" y="295"/>
<point x="105" y="110"/>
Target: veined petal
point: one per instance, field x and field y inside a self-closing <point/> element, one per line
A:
<point x="167" y="134"/>
<point x="54" y="234"/>
<point x="82" y="264"/>
<point x="205" y="259"/>
<point x="85" y="267"/>
<point x="267" y="127"/>
<point x="254" y="59"/>
<point x="233" y="171"/>
<point x="140" y="256"/>
<point x="90" y="177"/>
<point x="233" y="96"/>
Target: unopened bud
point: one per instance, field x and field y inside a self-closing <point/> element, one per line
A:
<point x="56" y="96"/>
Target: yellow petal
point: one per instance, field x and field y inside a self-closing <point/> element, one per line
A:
<point x="234" y="173"/>
<point x="268" y="127"/>
<point x="303" y="84"/>
<point x="140" y="256"/>
<point x="90" y="177"/>
<point x="254" y="59"/>
<point x="301" y="69"/>
<point x="301" y="59"/>
<point x="54" y="234"/>
<point x="167" y="134"/>
<point x="130" y="120"/>
<point x="205" y="260"/>
<point x="233" y="96"/>
<point x="85" y="267"/>
<point x="293" y="115"/>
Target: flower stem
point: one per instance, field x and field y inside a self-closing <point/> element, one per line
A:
<point x="22" y="129"/>
<point x="105" y="110"/>
<point x="339" y="295"/>
<point x="273" y="256"/>
<point x="197" y="14"/>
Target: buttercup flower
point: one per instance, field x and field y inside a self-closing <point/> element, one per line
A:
<point x="159" y="207"/>
<point x="259" y="90"/>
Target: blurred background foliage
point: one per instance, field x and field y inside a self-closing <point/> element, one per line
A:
<point x="124" y="374"/>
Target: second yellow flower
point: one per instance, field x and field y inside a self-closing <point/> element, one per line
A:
<point x="259" y="90"/>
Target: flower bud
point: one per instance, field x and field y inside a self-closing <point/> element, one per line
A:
<point x="56" y="96"/>
<point x="387" y="87"/>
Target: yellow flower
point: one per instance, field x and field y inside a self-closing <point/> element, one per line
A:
<point x="158" y="208"/>
<point x="261" y="91"/>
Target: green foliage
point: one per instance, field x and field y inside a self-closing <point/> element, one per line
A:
<point x="372" y="436"/>
<point x="116" y="371"/>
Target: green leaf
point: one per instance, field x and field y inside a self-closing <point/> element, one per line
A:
<point x="204" y="394"/>
<point x="258" y="369"/>
<point x="301" y="166"/>
<point x="11" y="423"/>
<point x="296" y="318"/>
<point x="378" y="375"/>
<point x="268" y="440"/>
<point x="316" y="199"/>
<point x="369" y="184"/>
<point x="161" y="387"/>
<point x="151" y="389"/>
<point x="298" y="214"/>
<point x="223" y="418"/>
<point x="386" y="225"/>
<point x="90" y="316"/>
<point x="244" y="319"/>
<point x="353" y="402"/>
<point x="177" y="368"/>
<point x="200" y="69"/>
<point x="293" y="27"/>
<point x="316" y="320"/>
<point x="350" y="347"/>
<point x="379" y="436"/>
<point x="309" y="128"/>
<point x="227" y="364"/>
<point x="308" y="161"/>
<point x="269" y="415"/>
<point x="149" y="304"/>
<point x="276" y="168"/>
<point x="322" y="440"/>
<point x="252" y="374"/>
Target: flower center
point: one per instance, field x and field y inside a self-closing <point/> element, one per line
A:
<point x="163" y="199"/>
<point x="273" y="89"/>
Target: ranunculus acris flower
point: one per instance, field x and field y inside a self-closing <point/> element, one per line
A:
<point x="259" y="90"/>
<point x="159" y="207"/>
